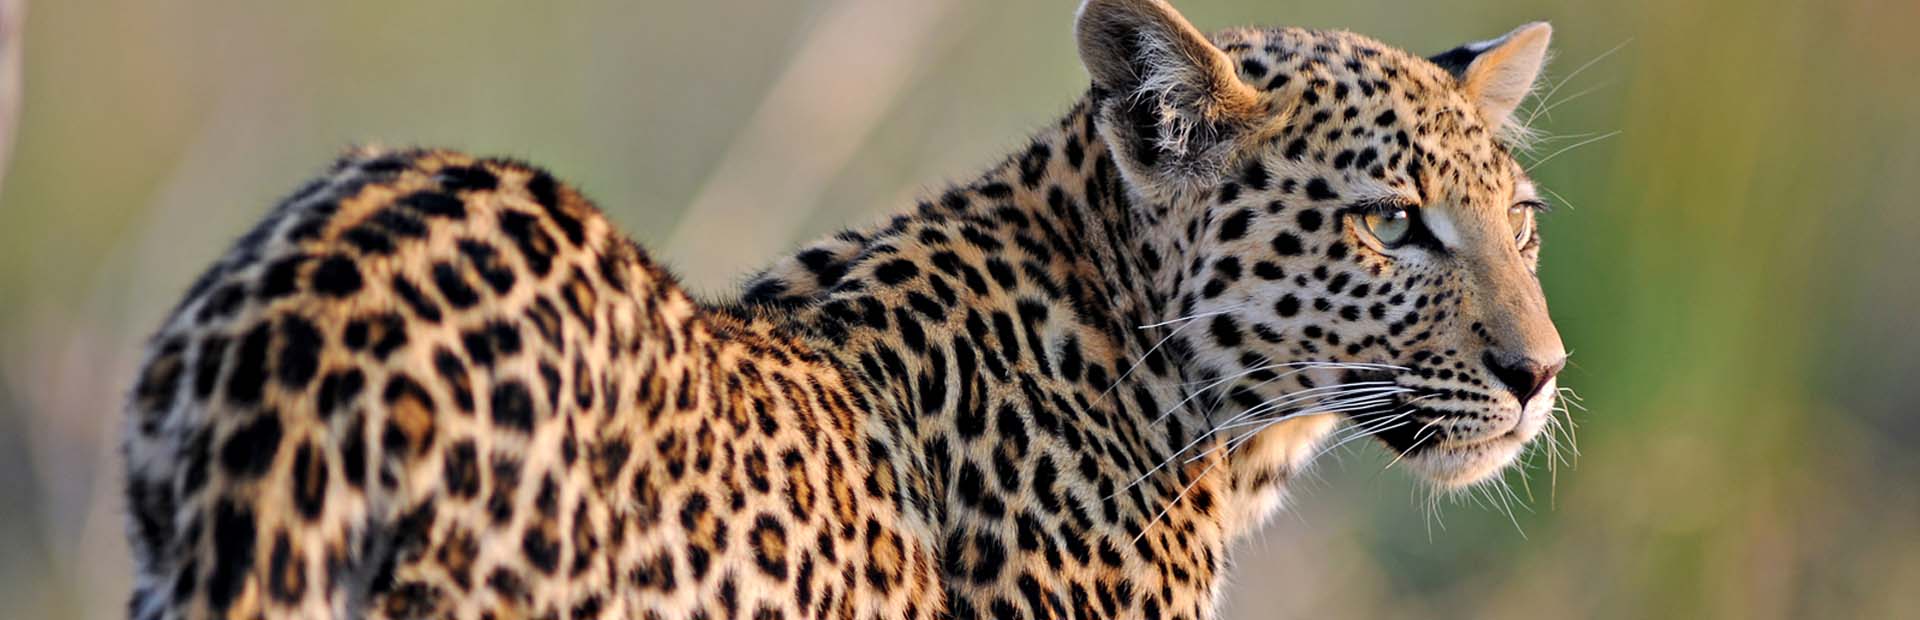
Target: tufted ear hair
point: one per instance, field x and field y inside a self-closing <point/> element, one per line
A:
<point x="1172" y="104"/>
<point x="1498" y="74"/>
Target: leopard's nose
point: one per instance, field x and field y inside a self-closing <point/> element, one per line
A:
<point x="1523" y="376"/>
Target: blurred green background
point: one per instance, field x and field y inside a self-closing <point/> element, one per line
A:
<point x="1734" y="271"/>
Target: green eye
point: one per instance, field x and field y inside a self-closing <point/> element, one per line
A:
<point x="1390" y="227"/>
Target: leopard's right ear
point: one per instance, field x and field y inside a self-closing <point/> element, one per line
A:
<point x="1171" y="104"/>
<point x="1498" y="74"/>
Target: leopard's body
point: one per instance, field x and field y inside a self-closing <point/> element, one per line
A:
<point x="430" y="385"/>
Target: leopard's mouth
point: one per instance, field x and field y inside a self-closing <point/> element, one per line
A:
<point x="1456" y="448"/>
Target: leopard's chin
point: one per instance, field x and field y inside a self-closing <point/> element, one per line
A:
<point x="1465" y="461"/>
<point x="1453" y="467"/>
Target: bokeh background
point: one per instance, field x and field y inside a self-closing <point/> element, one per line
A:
<point x="1734" y="270"/>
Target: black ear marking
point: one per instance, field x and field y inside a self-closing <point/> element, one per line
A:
<point x="1497" y="74"/>
<point x="1457" y="60"/>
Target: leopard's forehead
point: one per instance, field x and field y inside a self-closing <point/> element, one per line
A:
<point x="1276" y="58"/>
<point x="1358" y="92"/>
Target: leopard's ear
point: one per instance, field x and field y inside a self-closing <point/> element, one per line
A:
<point x="1171" y="103"/>
<point x="1498" y="74"/>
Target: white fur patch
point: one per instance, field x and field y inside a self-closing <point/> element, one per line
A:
<point x="1440" y="222"/>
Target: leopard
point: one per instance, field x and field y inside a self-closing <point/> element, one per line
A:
<point x="434" y="385"/>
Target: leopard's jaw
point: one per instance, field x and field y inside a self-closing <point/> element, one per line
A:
<point x="1469" y="461"/>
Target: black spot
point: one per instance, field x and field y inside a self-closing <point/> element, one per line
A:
<point x="453" y="286"/>
<point x="826" y="271"/>
<point x="398" y="222"/>
<point x="1002" y="273"/>
<point x="493" y="341"/>
<point x="159" y="382"/>
<point x="1296" y="148"/>
<point x="249" y="373"/>
<point x="422" y="307"/>
<point x="454" y="373"/>
<point x="769" y="541"/>
<point x="542" y="549"/>
<point x="991" y="558"/>
<point x="299" y="353"/>
<point x="461" y="470"/>
<point x="221" y="303"/>
<point x="895" y="271"/>
<point x="309" y="481"/>
<point x="1317" y="189"/>
<point x="1308" y="219"/>
<point x="386" y="165"/>
<point x="1287" y="306"/>
<point x="459" y="178"/>
<point x="532" y="240"/>
<point x="546" y="193"/>
<point x="512" y="406"/>
<point x="1033" y="164"/>
<point x="286" y="578"/>
<point x="1253" y="68"/>
<point x="206" y="367"/>
<point x="1228" y="267"/>
<point x="765" y="291"/>
<point x="337" y="277"/>
<point x="494" y="271"/>
<point x="1286" y="244"/>
<point x="1229" y="193"/>
<point x="1235" y="226"/>
<point x="233" y="555"/>
<point x="1337" y="250"/>
<point x="353" y="452"/>
<point x="1254" y="175"/>
<point x="1225" y="331"/>
<point x="280" y="277"/>
<point x="369" y="240"/>
<point x="436" y="204"/>
<point x="249" y="451"/>
<point x="509" y="585"/>
<point x="389" y="329"/>
<point x="410" y="416"/>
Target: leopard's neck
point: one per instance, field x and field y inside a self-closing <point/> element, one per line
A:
<point x="1012" y="336"/>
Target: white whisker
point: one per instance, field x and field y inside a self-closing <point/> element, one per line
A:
<point x="1196" y="441"/>
<point x="1136" y="363"/>
<point x="1536" y="163"/>
<point x="1547" y="110"/>
<point x="1575" y="73"/>
<point x="1240" y="438"/>
<point x="1176" y="499"/>
<point x="1418" y="439"/>
<point x="1192" y="317"/>
<point x="1301" y="366"/>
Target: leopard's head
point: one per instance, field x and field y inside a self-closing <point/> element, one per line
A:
<point x="1355" y="240"/>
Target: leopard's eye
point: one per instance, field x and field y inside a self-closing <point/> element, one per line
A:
<point x="1391" y="227"/>
<point x="1520" y="220"/>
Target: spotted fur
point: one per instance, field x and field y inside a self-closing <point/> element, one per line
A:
<point x="432" y="385"/>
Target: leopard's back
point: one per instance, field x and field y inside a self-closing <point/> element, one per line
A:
<point x="434" y="385"/>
